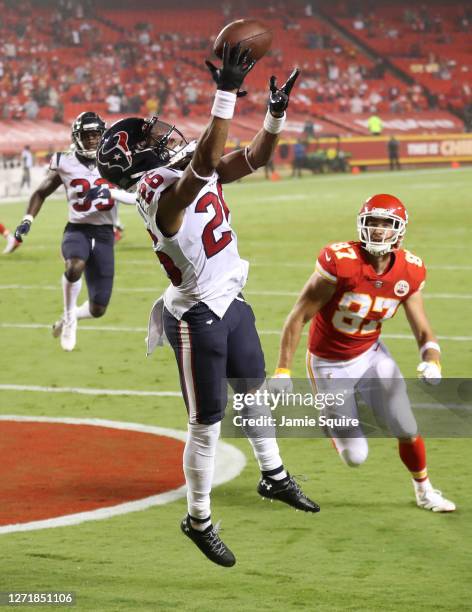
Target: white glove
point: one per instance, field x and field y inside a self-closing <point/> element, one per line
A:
<point x="430" y="372"/>
<point x="281" y="382"/>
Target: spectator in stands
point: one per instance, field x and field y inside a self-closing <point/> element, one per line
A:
<point x="114" y="102"/>
<point x="31" y="108"/>
<point x="375" y="125"/>
<point x="359" y="23"/>
<point x="356" y="105"/>
<point x="393" y="147"/>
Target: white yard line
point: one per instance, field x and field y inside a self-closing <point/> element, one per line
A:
<point x="89" y="391"/>
<point x="143" y="330"/>
<point x="138" y="427"/>
<point x="309" y="265"/>
<point x="155" y="291"/>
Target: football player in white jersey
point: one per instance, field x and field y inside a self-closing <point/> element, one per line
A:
<point x="87" y="245"/>
<point x="206" y="319"/>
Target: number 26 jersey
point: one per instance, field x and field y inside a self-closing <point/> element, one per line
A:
<point x="201" y="259"/>
<point x="350" y="323"/>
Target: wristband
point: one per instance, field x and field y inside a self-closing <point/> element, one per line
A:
<point x="274" y="125"/>
<point x="223" y="104"/>
<point x="28" y="218"/>
<point x="283" y="371"/>
<point x="429" y="345"/>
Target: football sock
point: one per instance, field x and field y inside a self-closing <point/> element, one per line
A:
<point x="413" y="455"/>
<point x="200" y="524"/>
<point x="278" y="473"/>
<point x="3" y="230"/>
<point x="263" y="441"/>
<point x="83" y="311"/>
<point x="71" y="293"/>
<point x="199" y="465"/>
<point x="266" y="451"/>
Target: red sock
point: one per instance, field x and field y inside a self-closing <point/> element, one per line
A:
<point x="3" y="229"/>
<point x="413" y="455"/>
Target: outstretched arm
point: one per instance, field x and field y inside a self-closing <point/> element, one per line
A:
<point x="315" y="294"/>
<point x="240" y="163"/>
<point x="45" y="189"/>
<point x="211" y="144"/>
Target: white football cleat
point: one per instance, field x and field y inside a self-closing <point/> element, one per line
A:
<point x="432" y="499"/>
<point x="69" y="334"/>
<point x="12" y="244"/>
<point x="57" y="327"/>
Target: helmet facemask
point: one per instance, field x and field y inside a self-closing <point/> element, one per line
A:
<point x="164" y="139"/>
<point x="84" y="148"/>
<point x="378" y="240"/>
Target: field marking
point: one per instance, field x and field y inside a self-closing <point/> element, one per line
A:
<point x="358" y="177"/>
<point x="270" y="264"/>
<point x="72" y="390"/>
<point x="155" y="291"/>
<point x="230" y="462"/>
<point x="89" y="391"/>
<point x="250" y="184"/>
<point x="143" y="330"/>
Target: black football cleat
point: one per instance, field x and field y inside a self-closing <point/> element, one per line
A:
<point x="287" y="491"/>
<point x="210" y="543"/>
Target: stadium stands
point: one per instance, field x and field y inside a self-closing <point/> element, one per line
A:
<point x="394" y="61"/>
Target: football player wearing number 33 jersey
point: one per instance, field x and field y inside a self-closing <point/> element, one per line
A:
<point x="206" y="319"/>
<point x="354" y="288"/>
<point x="87" y="244"/>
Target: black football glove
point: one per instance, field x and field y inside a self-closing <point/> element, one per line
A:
<point x="22" y="230"/>
<point x="101" y="192"/>
<point x="236" y="65"/>
<point x="279" y="98"/>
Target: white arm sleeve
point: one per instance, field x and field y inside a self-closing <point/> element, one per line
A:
<point x="123" y="196"/>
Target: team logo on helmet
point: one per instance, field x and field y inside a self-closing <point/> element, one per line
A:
<point x="401" y="288"/>
<point x="115" y="152"/>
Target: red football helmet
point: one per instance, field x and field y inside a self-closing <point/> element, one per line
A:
<point x="381" y="240"/>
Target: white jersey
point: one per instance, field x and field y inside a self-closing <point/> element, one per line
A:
<point x="78" y="178"/>
<point x="201" y="259"/>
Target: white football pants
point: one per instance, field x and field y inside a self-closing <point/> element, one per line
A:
<point x="375" y="376"/>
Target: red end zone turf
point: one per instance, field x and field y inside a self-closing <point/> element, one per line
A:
<point x="51" y="469"/>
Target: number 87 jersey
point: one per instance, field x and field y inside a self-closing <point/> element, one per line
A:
<point x="201" y="259"/>
<point x="351" y="321"/>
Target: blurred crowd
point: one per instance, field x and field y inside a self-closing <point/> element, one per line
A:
<point x="69" y="55"/>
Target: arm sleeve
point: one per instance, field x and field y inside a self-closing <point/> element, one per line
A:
<point x="123" y="196"/>
<point x="326" y="265"/>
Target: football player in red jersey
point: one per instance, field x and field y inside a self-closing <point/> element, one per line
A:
<point x="354" y="288"/>
<point x="12" y="243"/>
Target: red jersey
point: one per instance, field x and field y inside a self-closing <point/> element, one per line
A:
<point x="351" y="321"/>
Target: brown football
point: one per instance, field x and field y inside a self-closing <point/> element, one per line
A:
<point x="251" y="33"/>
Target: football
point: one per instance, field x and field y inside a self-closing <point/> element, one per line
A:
<point x="251" y="33"/>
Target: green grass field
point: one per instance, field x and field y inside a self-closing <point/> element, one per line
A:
<point x="370" y="548"/>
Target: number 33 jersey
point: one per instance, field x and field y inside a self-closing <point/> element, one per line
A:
<point x="201" y="259"/>
<point x="77" y="179"/>
<point x="350" y="323"/>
